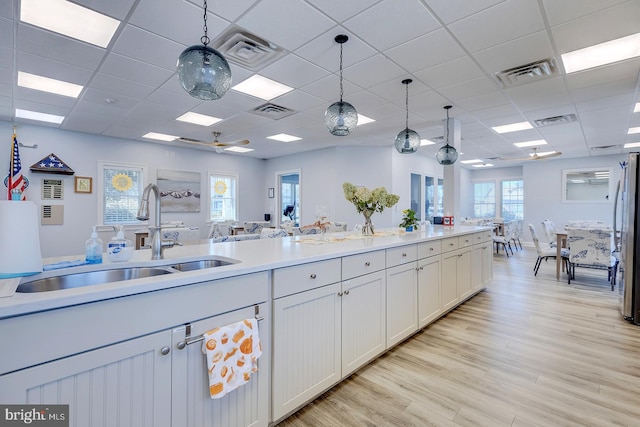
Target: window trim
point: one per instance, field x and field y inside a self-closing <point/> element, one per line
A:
<point x="102" y="164"/>
<point x="229" y="174"/>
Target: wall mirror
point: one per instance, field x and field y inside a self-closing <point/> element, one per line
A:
<point x="592" y="185"/>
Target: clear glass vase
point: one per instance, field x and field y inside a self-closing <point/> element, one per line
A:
<point x="367" y="227"/>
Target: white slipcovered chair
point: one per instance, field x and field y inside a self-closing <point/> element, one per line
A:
<point x="219" y="228"/>
<point x="335" y="227"/>
<point x="549" y="229"/>
<point x="271" y="233"/>
<point x="506" y="239"/>
<point x="592" y="248"/>
<point x="545" y="253"/>
<point x="251" y="227"/>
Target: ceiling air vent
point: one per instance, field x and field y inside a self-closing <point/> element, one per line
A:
<point x="246" y="49"/>
<point x="272" y="111"/>
<point x="555" y="120"/>
<point x="605" y="147"/>
<point x="527" y="73"/>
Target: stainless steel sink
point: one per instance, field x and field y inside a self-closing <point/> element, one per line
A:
<point x="89" y="278"/>
<point x="200" y="264"/>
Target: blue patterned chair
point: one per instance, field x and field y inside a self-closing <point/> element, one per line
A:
<point x="591" y="248"/>
<point x="300" y="231"/>
<point x="271" y="233"/>
<point x="251" y="227"/>
<point x="336" y="227"/>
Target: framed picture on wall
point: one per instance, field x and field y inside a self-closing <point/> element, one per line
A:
<point x="83" y="184"/>
<point x="271" y="193"/>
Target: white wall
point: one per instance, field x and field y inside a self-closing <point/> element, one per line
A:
<point x="82" y="152"/>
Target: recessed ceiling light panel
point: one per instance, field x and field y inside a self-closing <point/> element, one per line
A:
<point x="633" y="130"/>
<point x="530" y="143"/>
<point x="284" y="137"/>
<point x="471" y="161"/>
<point x="262" y="87"/>
<point x="513" y="127"/>
<point x="159" y="136"/>
<point x="45" y="84"/>
<point x="69" y="19"/>
<point x="41" y="117"/>
<point x="198" y="119"/>
<point x="602" y="54"/>
<point x="238" y="149"/>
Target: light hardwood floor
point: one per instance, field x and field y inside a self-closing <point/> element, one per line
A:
<point x="527" y="351"/>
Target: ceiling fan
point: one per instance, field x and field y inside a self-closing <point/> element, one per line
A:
<point x="535" y="156"/>
<point x="215" y="142"/>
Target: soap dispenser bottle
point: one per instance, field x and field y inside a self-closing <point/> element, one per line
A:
<point x="119" y="248"/>
<point x="93" y="248"/>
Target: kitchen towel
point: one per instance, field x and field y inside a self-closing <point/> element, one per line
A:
<point x="232" y="354"/>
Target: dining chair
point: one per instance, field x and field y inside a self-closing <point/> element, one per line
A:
<point x="304" y="231"/>
<point x="549" y="229"/>
<point x="504" y="240"/>
<point x="592" y="248"/>
<point x="517" y="233"/>
<point x="545" y="253"/>
<point x="251" y="227"/>
<point x="271" y="233"/>
<point x="335" y="227"/>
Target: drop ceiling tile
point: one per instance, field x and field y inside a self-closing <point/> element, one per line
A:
<point x="147" y="47"/>
<point x="485" y="100"/>
<point x="606" y="90"/>
<point x="340" y="10"/>
<point x="179" y="21"/>
<point x="572" y="35"/>
<point x="397" y="23"/>
<point x="559" y="12"/>
<point x="50" y="99"/>
<point x="94" y="97"/>
<point x="117" y="87"/>
<point x="485" y="113"/>
<point x="545" y="93"/>
<point x="180" y="103"/>
<point x="89" y="121"/>
<point x="619" y="71"/>
<point x="118" y="9"/>
<point x="395" y="91"/>
<point x="293" y="71"/>
<point x="6" y="62"/>
<point x="277" y="20"/>
<point x="136" y="71"/>
<point x="59" y="48"/>
<point x="329" y="89"/>
<point x="491" y="26"/>
<point x="452" y="10"/>
<point x="6" y="32"/>
<point x="27" y="104"/>
<point x="53" y="69"/>
<point x="6" y="9"/>
<point x="426" y="51"/>
<point x="361" y="74"/>
<point x="451" y="72"/>
<point x="469" y="88"/>
<point x="325" y="51"/>
<point x="301" y="101"/>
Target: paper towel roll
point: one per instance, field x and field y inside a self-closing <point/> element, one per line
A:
<point x="19" y="239"/>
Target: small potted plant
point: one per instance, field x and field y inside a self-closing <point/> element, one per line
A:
<point x="409" y="222"/>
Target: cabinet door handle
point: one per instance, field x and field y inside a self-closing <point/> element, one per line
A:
<point x="346" y="292"/>
<point x="313" y="275"/>
<point x="431" y="249"/>
<point x="181" y="345"/>
<point x="404" y="255"/>
<point x="459" y="255"/>
<point x="367" y="264"/>
<point x="340" y="293"/>
<point x="164" y="351"/>
<point x="422" y="267"/>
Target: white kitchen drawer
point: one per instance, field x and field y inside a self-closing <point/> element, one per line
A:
<point x="465" y="241"/>
<point x="449" y="244"/>
<point x="478" y="237"/>
<point x="488" y="235"/>
<point x="361" y="264"/>
<point x="427" y="249"/>
<point x="401" y="255"/>
<point x="300" y="278"/>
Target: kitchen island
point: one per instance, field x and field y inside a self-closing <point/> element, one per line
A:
<point x="127" y="352"/>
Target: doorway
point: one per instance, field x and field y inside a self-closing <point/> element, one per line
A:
<point x="289" y="197"/>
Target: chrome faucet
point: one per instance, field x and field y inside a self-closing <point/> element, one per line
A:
<point x="157" y="243"/>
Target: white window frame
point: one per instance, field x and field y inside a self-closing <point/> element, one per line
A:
<point x="236" y="201"/>
<point x="495" y="196"/>
<point x="102" y="165"/>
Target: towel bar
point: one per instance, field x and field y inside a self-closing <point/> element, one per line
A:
<point x="192" y="340"/>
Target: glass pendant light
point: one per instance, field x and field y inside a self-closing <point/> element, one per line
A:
<point x="407" y="141"/>
<point x="341" y="117"/>
<point x="203" y="72"/>
<point x="447" y="154"/>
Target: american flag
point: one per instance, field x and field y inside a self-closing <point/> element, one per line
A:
<point x="16" y="182"/>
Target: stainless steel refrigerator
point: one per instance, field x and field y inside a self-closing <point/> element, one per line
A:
<point x="626" y="219"/>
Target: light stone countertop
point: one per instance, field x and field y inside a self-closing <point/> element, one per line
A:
<point x="253" y="256"/>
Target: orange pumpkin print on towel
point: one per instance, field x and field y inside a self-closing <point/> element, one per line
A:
<point x="232" y="353"/>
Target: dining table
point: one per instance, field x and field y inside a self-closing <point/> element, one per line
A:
<point x="561" y="242"/>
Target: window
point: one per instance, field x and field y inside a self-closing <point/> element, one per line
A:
<point x="484" y="199"/>
<point x="440" y="195"/>
<point x="223" y="197"/>
<point x="512" y="200"/>
<point x="416" y="196"/>
<point x="121" y="187"/>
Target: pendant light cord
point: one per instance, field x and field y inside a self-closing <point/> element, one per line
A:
<point x="341" y="90"/>
<point x="205" y="39"/>
<point x="406" y="122"/>
<point x="447" y="127"/>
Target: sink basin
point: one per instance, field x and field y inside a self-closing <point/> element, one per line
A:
<point x="89" y="278"/>
<point x="200" y="264"/>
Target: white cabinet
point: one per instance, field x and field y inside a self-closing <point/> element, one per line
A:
<point x="456" y="277"/>
<point x="363" y="320"/>
<point x="481" y="261"/>
<point x="402" y="293"/>
<point x="306" y="347"/>
<point x="192" y="404"/>
<point x="125" y="384"/>
<point x="119" y="362"/>
<point x="429" y="284"/>
<point x="323" y="334"/>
